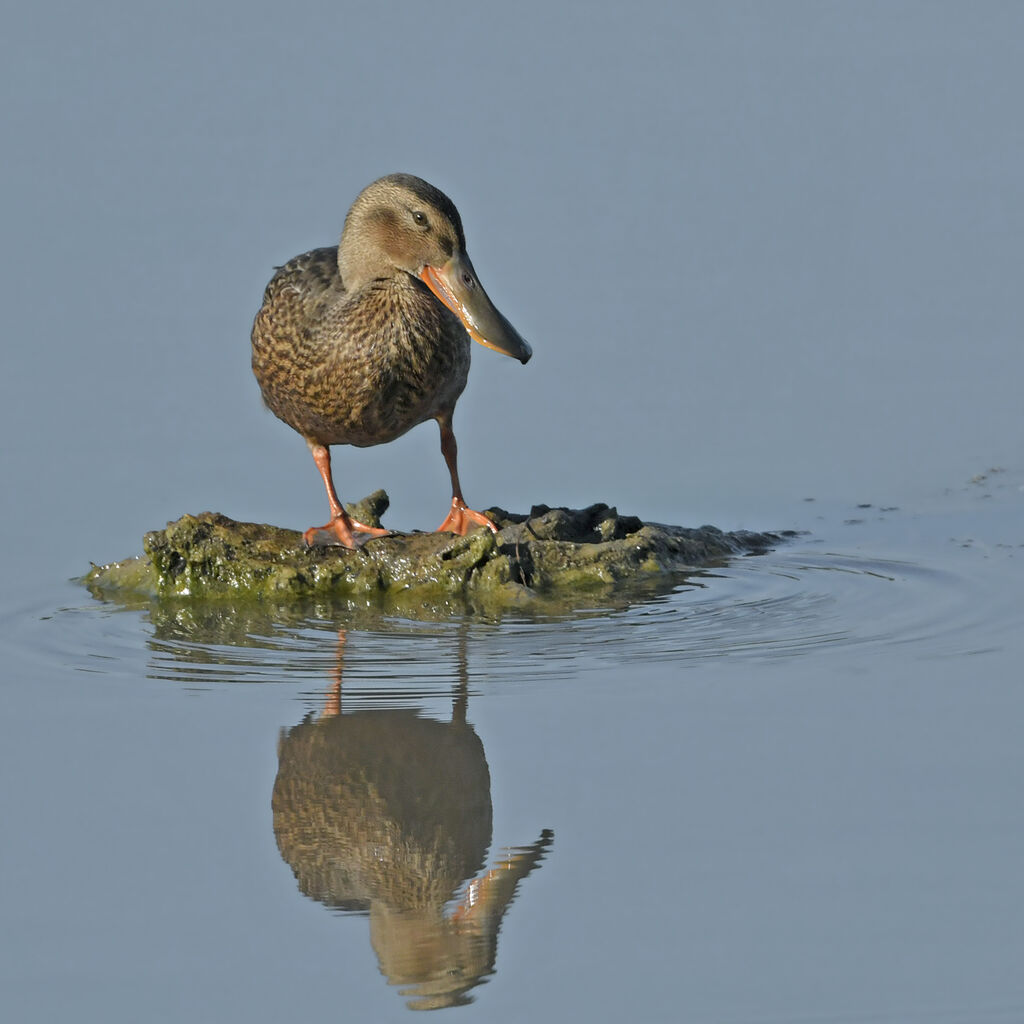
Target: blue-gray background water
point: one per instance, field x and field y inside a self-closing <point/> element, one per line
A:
<point x="769" y="257"/>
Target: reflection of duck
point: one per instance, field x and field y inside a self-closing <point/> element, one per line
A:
<point x="386" y="812"/>
<point x="382" y="805"/>
<point x="360" y="343"/>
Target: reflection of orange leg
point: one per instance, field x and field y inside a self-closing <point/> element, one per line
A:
<point x="460" y="517"/>
<point x="342" y="525"/>
<point x="332" y="700"/>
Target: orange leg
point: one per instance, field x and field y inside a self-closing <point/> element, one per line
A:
<point x="342" y="525"/>
<point x="460" y="517"/>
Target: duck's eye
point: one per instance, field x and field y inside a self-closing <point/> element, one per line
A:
<point x="420" y="217"/>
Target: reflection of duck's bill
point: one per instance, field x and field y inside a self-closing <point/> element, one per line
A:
<point x="491" y="894"/>
<point x="457" y="286"/>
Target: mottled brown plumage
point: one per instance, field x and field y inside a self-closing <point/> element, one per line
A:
<point x="357" y="345"/>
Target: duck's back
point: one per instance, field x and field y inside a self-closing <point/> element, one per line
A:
<point x="358" y="369"/>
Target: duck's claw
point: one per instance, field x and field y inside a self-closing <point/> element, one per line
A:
<point x="345" y="531"/>
<point x="460" y="518"/>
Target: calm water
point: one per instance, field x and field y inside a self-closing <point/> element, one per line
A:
<point x="787" y="789"/>
<point x="764" y="253"/>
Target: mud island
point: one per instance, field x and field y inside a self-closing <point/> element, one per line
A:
<point x="549" y="554"/>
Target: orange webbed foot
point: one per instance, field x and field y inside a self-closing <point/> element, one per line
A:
<point x="460" y="519"/>
<point x="346" y="531"/>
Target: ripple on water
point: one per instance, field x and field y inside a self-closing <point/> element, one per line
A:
<point x="777" y="606"/>
<point x="786" y="604"/>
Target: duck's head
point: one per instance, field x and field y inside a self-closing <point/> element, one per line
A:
<point x="403" y="224"/>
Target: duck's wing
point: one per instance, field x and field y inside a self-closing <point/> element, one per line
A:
<point x="288" y="336"/>
<point x="300" y="292"/>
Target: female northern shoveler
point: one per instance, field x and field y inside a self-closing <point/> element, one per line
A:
<point x="358" y="344"/>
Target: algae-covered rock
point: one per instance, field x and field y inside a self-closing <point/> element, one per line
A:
<point x="550" y="553"/>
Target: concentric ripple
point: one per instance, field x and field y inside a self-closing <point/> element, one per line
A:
<point x="788" y="604"/>
<point x="783" y="605"/>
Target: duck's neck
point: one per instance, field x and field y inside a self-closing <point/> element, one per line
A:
<point x="359" y="266"/>
<point x="365" y="251"/>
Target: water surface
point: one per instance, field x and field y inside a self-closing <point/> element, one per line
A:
<point x="782" y="789"/>
<point x="764" y="253"/>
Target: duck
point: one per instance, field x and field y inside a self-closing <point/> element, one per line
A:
<point x="359" y="343"/>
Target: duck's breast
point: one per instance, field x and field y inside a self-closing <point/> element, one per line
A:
<point x="357" y="368"/>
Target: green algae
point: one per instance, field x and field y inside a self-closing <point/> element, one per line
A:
<point x="551" y="559"/>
